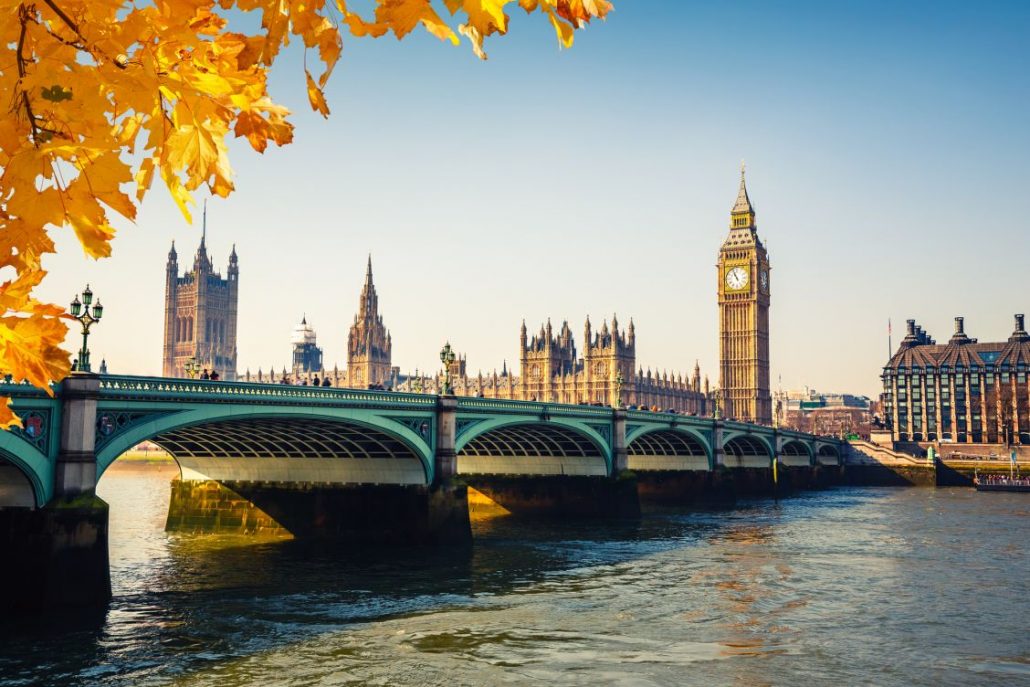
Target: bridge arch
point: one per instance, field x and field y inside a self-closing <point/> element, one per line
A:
<point x="741" y="449"/>
<point x="534" y="447"/>
<point x="828" y="454"/>
<point x="288" y="444"/>
<point x="669" y="448"/>
<point x="795" y="452"/>
<point x="26" y="475"/>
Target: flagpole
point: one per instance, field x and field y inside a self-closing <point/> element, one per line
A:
<point x="890" y="347"/>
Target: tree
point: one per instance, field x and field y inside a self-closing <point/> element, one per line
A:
<point x="104" y="95"/>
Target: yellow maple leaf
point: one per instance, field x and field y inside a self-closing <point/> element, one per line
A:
<point x="315" y="96"/>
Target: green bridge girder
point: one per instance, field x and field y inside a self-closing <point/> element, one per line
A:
<point x="202" y="423"/>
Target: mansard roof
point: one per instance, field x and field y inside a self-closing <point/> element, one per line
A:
<point x="962" y="351"/>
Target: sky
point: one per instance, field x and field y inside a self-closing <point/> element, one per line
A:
<point x="886" y="147"/>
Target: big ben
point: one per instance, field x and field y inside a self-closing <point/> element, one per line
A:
<point x="743" y="273"/>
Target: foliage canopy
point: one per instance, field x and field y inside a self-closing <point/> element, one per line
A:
<point x="104" y="95"/>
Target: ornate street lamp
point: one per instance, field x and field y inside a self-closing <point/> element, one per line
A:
<point x="718" y="397"/>
<point x="447" y="357"/>
<point x="191" y="368"/>
<point x="88" y="314"/>
<point x="619" y="380"/>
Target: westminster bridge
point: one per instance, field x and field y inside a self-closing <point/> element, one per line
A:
<point x="370" y="466"/>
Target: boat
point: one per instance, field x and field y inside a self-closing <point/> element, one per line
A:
<point x="1001" y="483"/>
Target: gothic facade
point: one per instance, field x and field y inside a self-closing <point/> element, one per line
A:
<point x="743" y="284"/>
<point x="553" y="371"/>
<point x="200" y="315"/>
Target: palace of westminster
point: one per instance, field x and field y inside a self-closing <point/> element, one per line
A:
<point x="200" y="334"/>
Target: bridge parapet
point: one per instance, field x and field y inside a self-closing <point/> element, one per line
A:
<point x="531" y="408"/>
<point x="160" y="388"/>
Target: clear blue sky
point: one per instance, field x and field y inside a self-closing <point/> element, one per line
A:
<point x="886" y="145"/>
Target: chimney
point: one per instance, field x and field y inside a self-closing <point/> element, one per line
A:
<point x="959" y="337"/>
<point x="1020" y="334"/>
<point x="911" y="325"/>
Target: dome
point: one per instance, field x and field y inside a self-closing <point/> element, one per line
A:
<point x="303" y="333"/>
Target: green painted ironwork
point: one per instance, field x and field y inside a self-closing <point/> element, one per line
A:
<point x="133" y="409"/>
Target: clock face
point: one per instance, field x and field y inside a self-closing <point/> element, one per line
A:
<point x="737" y="278"/>
<point x="763" y="278"/>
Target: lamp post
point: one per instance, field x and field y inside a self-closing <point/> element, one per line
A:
<point x="447" y="357"/>
<point x="619" y="380"/>
<point x="88" y="314"/>
<point x="191" y="367"/>
<point x="718" y="397"/>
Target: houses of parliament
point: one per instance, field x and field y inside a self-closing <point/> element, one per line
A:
<point x="200" y="333"/>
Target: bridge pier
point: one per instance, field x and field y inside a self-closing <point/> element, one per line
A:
<point x="56" y="557"/>
<point x="576" y="496"/>
<point x="354" y="513"/>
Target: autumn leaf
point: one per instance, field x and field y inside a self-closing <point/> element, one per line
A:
<point x="315" y="96"/>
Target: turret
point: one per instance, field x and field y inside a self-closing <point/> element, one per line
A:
<point x="631" y="339"/>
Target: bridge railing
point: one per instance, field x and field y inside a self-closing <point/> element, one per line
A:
<point x="531" y="407"/>
<point x="125" y="386"/>
<point x="23" y="389"/>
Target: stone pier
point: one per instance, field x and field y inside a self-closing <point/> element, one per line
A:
<point x="366" y="514"/>
<point x="54" y="557"/>
<point x="561" y="495"/>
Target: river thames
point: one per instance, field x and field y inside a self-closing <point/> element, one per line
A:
<point x="840" y="587"/>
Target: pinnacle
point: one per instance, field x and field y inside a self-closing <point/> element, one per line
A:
<point x="743" y="203"/>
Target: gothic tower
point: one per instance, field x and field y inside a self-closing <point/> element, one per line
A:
<point x="200" y="314"/>
<point x="607" y="356"/>
<point x="743" y="273"/>
<point x="369" y="343"/>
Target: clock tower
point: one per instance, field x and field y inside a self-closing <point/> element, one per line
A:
<point x="743" y="273"/>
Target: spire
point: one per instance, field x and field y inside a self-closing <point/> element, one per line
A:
<point x="172" y="255"/>
<point x="203" y="229"/>
<point x="743" y="203"/>
<point x="232" y="256"/>
<point x="368" y="270"/>
<point x="742" y="216"/>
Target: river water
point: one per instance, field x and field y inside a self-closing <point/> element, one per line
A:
<point x="874" y="586"/>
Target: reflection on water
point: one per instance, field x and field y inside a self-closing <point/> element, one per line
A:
<point x="872" y="586"/>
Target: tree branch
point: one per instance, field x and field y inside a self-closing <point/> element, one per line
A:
<point x="23" y="17"/>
